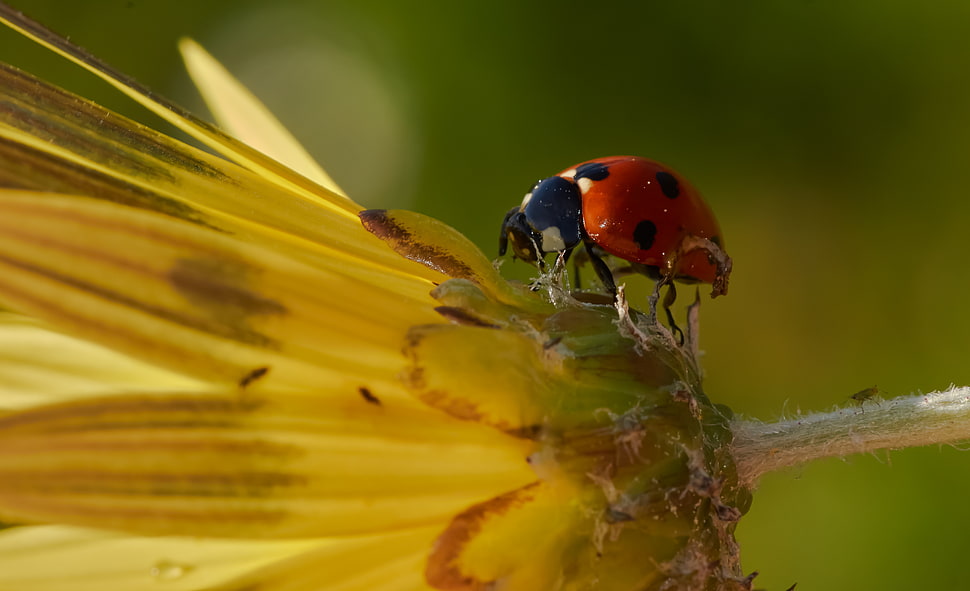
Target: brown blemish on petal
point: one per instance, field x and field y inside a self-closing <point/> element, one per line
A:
<point x="252" y="376"/>
<point x="221" y="289"/>
<point x="367" y="395"/>
<point x="379" y="223"/>
<point x="444" y="568"/>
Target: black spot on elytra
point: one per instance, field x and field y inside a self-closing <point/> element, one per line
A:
<point x="668" y="184"/>
<point x="594" y="171"/>
<point x="644" y="234"/>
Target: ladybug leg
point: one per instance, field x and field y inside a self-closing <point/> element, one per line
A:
<point x="559" y="267"/>
<point x="565" y="259"/>
<point x="541" y="265"/>
<point x="602" y="270"/>
<point x="669" y="300"/>
<point x="665" y="277"/>
<point x="576" y="278"/>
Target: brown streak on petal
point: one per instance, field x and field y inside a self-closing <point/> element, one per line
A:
<point x="399" y="238"/>
<point x="22" y="167"/>
<point x="463" y="316"/>
<point x="202" y="446"/>
<point x="157" y="153"/>
<point x="85" y="414"/>
<point x="131" y="485"/>
<point x="444" y="569"/>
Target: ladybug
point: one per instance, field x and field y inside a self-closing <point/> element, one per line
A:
<point x="630" y="207"/>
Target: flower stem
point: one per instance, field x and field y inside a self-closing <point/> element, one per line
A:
<point x="909" y="421"/>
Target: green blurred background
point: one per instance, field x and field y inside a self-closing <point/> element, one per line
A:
<point x="831" y="138"/>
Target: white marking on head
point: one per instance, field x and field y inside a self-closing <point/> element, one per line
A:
<point x="584" y="184"/>
<point x="552" y="240"/>
<point x="526" y="199"/>
<point x="571" y="173"/>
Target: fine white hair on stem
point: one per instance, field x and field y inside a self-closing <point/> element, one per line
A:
<point x="908" y="421"/>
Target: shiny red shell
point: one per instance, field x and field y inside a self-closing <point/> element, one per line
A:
<point x="643" y="212"/>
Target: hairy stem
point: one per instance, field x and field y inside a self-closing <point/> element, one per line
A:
<point x="909" y="421"/>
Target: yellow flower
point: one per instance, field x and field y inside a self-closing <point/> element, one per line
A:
<point x="219" y="372"/>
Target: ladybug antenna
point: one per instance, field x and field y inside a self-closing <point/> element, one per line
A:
<point x="503" y="239"/>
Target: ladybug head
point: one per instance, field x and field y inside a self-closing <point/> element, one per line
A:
<point x="525" y="241"/>
<point x="549" y="220"/>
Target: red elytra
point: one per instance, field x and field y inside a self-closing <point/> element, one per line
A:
<point x="667" y="211"/>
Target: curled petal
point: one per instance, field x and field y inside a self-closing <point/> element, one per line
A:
<point x="438" y="246"/>
<point x="517" y="541"/>
<point x="494" y="381"/>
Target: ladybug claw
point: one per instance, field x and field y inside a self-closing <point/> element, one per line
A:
<point x="724" y="265"/>
<point x="715" y="256"/>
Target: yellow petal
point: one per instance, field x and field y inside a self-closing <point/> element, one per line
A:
<point x="53" y="141"/>
<point x="40" y="366"/>
<point x="60" y="558"/>
<point x="238" y="465"/>
<point x="240" y="113"/>
<point x="390" y="562"/>
<point x="178" y="295"/>
<point x="207" y="134"/>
